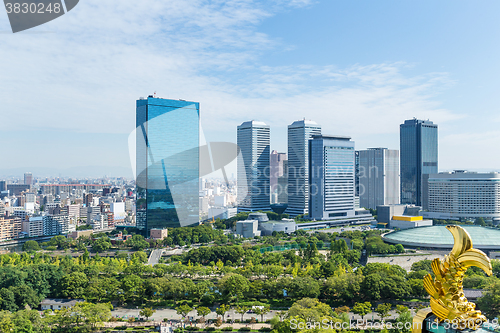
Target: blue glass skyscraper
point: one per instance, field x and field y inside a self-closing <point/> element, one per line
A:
<point x="419" y="157"/>
<point x="167" y="162"/>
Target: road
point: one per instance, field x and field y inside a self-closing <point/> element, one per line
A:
<point x="171" y="314"/>
<point x="155" y="256"/>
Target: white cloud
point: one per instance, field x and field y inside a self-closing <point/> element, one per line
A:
<point x="103" y="55"/>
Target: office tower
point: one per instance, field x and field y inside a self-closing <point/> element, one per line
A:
<point x="167" y="163"/>
<point x="254" y="142"/>
<point x="464" y="195"/>
<point x="299" y="135"/>
<point x="419" y="157"/>
<point x="378" y="177"/>
<point x="332" y="183"/>
<point x="28" y="178"/>
<point x="277" y="171"/>
<point x="3" y="185"/>
<point x="283" y="184"/>
<point x="356" y="167"/>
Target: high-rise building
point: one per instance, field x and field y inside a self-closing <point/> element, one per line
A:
<point x="356" y="163"/>
<point x="3" y="185"/>
<point x="299" y="135"/>
<point x="419" y="157"/>
<point x="464" y="195"/>
<point x="167" y="163"/>
<point x="28" y="178"/>
<point x="254" y="142"/>
<point x="332" y="172"/>
<point x="283" y="185"/>
<point x="378" y="177"/>
<point x="277" y="171"/>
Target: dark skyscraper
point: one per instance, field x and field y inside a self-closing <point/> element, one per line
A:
<point x="167" y="163"/>
<point x="419" y="156"/>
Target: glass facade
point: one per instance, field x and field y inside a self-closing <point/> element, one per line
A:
<point x="378" y="177"/>
<point x="167" y="162"/>
<point x="419" y="156"/>
<point x="332" y="177"/>
<point x="254" y="142"/>
<point x="299" y="135"/>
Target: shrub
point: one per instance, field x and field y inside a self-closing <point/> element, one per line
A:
<point x="209" y="329"/>
<point x="192" y="328"/>
<point x="236" y="320"/>
<point x="265" y="329"/>
<point x="245" y="329"/>
<point x="229" y="328"/>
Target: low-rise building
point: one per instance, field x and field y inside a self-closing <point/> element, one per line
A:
<point x="58" y="304"/>
<point x="248" y="228"/>
<point x="286" y="225"/>
<point x="409" y="222"/>
<point x="158" y="233"/>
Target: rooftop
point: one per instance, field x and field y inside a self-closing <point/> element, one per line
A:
<point x="440" y="237"/>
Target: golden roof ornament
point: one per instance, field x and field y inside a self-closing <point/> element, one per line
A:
<point x="448" y="302"/>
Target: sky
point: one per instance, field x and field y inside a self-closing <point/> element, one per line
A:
<point x="356" y="67"/>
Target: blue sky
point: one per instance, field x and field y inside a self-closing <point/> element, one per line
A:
<point x="358" y="68"/>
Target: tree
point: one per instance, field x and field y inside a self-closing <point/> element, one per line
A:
<point x="137" y="242"/>
<point x="73" y="285"/>
<point x="133" y="287"/>
<point x="479" y="221"/>
<point x="221" y="310"/>
<point x="261" y="310"/>
<point x="490" y="302"/>
<point x="404" y="320"/>
<point x="31" y="245"/>
<point x="147" y="312"/>
<point x="233" y="285"/>
<point x="383" y="310"/>
<point x="241" y="309"/>
<point x="203" y="311"/>
<point x="101" y="244"/>
<point x="362" y="309"/>
<point x="183" y="310"/>
<point x="6" y="324"/>
<point x="140" y="257"/>
<point x="342" y="309"/>
<point x="310" y="310"/>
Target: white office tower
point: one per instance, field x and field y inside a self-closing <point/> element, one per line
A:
<point x="299" y="135"/>
<point x="378" y="177"/>
<point x="332" y="177"/>
<point x="464" y="195"/>
<point x="254" y="142"/>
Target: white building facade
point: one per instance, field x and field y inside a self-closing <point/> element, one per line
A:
<point x="464" y="195"/>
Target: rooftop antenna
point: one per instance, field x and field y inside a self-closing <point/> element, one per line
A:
<point x="154" y="95"/>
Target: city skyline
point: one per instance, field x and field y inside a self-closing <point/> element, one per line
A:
<point x="247" y="60"/>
